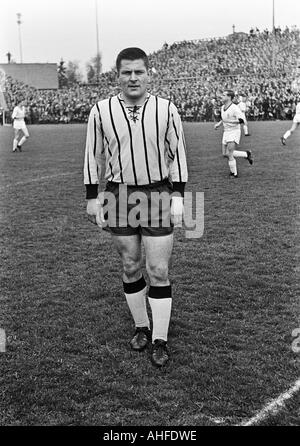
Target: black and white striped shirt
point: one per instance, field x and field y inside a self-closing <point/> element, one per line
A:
<point x="141" y="144"/>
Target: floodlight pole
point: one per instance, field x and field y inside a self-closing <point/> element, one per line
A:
<point x="273" y="45"/>
<point x="97" y="37"/>
<point x="20" y="40"/>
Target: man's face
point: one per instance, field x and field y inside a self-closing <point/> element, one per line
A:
<point x="225" y="97"/>
<point x="133" y="78"/>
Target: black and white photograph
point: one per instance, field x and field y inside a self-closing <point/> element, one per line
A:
<point x="149" y="216"/>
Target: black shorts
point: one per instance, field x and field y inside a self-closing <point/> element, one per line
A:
<point x="131" y="210"/>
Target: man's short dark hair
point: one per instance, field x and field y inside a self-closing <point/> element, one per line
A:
<point x="132" y="54"/>
<point x="230" y="93"/>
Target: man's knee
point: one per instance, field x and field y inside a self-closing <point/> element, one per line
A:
<point x="230" y="153"/>
<point x="158" y="272"/>
<point x="131" y="267"/>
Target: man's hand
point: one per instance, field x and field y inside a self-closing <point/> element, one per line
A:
<point x="217" y="126"/>
<point x="177" y="210"/>
<point x="94" y="210"/>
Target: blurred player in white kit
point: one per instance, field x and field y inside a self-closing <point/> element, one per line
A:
<point x="232" y="118"/>
<point x="295" y="125"/>
<point x="19" y="125"/>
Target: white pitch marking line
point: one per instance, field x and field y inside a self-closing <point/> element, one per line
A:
<point x="274" y="406"/>
<point x="47" y="177"/>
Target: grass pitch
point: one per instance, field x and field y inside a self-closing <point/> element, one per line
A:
<point x="68" y="360"/>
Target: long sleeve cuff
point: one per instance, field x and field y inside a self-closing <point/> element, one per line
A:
<point x="91" y="191"/>
<point x="179" y="187"/>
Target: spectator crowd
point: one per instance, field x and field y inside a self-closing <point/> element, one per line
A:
<point x="260" y="66"/>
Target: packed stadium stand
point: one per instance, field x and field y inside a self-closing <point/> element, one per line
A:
<point x="260" y="65"/>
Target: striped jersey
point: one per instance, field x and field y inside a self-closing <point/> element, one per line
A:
<point x="140" y="144"/>
<point x="18" y="112"/>
<point x="230" y="117"/>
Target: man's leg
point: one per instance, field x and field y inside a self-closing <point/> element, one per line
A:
<point x="158" y="253"/>
<point x="247" y="154"/>
<point x="289" y="133"/>
<point x="224" y="150"/>
<point x="23" y="139"/>
<point x="231" y="160"/>
<point x="15" y="141"/>
<point x="129" y="248"/>
<point x="246" y="130"/>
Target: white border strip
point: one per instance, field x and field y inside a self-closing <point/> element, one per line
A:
<point x="274" y="406"/>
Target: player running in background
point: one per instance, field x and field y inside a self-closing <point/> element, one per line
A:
<point x="232" y="118"/>
<point x="243" y="107"/>
<point x="137" y="139"/>
<point x="19" y="125"/>
<point x="295" y="125"/>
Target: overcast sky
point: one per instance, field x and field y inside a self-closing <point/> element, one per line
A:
<point x="55" y="29"/>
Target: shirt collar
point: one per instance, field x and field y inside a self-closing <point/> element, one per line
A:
<point x="137" y="105"/>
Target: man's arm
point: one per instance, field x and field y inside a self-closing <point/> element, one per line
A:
<point x="93" y="150"/>
<point x="178" y="165"/>
<point x="177" y="151"/>
<point x="239" y="115"/>
<point x="93" y="166"/>
<point x="218" y="124"/>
